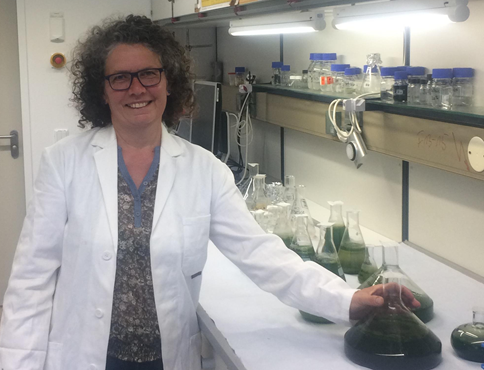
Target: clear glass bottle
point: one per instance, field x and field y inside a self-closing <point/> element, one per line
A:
<point x="338" y="74"/>
<point x="249" y="185"/>
<point x="300" y="207"/>
<point x="327" y="257"/>
<point x="286" y="74"/>
<point x="312" y="60"/>
<point x="289" y="189"/>
<point x="336" y="218"/>
<point x="413" y="94"/>
<point x="326" y="76"/>
<point x="387" y="82"/>
<point x="400" y="87"/>
<point x="369" y="266"/>
<point x="371" y="75"/>
<point x="317" y="68"/>
<point x="468" y="339"/>
<point x="305" y="76"/>
<point x="416" y="72"/>
<point x="463" y="87"/>
<point x="275" y="192"/>
<point x="441" y="90"/>
<point x="239" y="76"/>
<point x="390" y="266"/>
<point x="352" y="249"/>
<point x="391" y="337"/>
<point x="425" y="85"/>
<point x="283" y="228"/>
<point x="276" y="73"/>
<point x="260" y="198"/>
<point x="301" y="242"/>
<point x="351" y="80"/>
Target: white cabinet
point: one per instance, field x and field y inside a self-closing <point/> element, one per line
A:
<point x="184" y="7"/>
<point x="161" y="9"/>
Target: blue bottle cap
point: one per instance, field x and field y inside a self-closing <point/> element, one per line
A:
<point x="329" y="56"/>
<point x="442" y="73"/>
<point x="416" y="71"/>
<point x="276" y="64"/>
<point x="239" y="69"/>
<point x="373" y="70"/>
<point x="388" y="71"/>
<point x="401" y="75"/>
<point x="339" y="67"/>
<point x="401" y="68"/>
<point x="286" y="68"/>
<point x="464" y="72"/>
<point x="318" y="56"/>
<point x="352" y="71"/>
<point x="312" y="56"/>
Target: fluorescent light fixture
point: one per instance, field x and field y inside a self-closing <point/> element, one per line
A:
<point x="301" y="22"/>
<point x="399" y="14"/>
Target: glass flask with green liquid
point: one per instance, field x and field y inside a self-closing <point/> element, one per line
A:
<point x="352" y="249"/>
<point x="301" y="243"/>
<point x="327" y="257"/>
<point x="260" y="199"/>
<point x="336" y="217"/>
<point x="468" y="339"/>
<point x="369" y="266"/>
<point x="300" y="207"/>
<point x="283" y="227"/>
<point x="391" y="336"/>
<point x="390" y="265"/>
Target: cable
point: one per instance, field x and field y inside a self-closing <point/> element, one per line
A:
<point x="227" y="115"/>
<point x="247" y="124"/>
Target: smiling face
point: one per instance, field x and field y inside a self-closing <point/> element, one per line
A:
<point x="139" y="106"/>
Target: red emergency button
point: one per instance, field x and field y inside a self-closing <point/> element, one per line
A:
<point x="58" y="60"/>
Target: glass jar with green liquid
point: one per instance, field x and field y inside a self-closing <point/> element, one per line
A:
<point x="327" y="257"/>
<point x="468" y="339"/>
<point x="352" y="249"/>
<point x="369" y="266"/>
<point x="301" y="243"/>
<point x="283" y="227"/>
<point x="336" y="218"/>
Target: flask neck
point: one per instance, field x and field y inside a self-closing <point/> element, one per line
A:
<point x="353" y="220"/>
<point x="478" y="315"/>
<point x="326" y="243"/>
<point x="390" y="255"/>
<point x="336" y="213"/>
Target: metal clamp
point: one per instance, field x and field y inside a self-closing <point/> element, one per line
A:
<point x="14" y="149"/>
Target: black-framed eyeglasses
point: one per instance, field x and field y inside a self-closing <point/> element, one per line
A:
<point x="123" y="80"/>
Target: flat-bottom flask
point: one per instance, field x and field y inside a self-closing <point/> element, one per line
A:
<point x="468" y="339"/>
<point x="369" y="266"/>
<point x="327" y="257"/>
<point x="336" y="217"/>
<point x="392" y="337"/>
<point x="352" y="249"/>
<point x="301" y="243"/>
<point x="283" y="227"/>
<point x="426" y="310"/>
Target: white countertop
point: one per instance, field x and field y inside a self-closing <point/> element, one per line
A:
<point x="266" y="334"/>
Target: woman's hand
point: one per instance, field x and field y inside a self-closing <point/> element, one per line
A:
<point x="367" y="299"/>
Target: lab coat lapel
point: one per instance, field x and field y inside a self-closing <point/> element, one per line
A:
<point x="107" y="168"/>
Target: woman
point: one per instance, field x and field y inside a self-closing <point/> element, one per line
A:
<point x="108" y="267"/>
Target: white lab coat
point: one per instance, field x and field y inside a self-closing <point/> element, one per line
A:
<point x="57" y="309"/>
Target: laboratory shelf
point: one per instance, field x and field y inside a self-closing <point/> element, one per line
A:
<point x="472" y="116"/>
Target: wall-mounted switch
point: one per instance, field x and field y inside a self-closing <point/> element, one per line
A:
<point x="475" y="153"/>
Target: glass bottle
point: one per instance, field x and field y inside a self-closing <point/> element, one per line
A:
<point x="352" y="249"/>
<point x="300" y="207"/>
<point x="239" y="76"/>
<point x="327" y="257"/>
<point x="468" y="339"/>
<point x="283" y="228"/>
<point x="325" y="76"/>
<point x="249" y="191"/>
<point x="425" y="85"/>
<point x="289" y="189"/>
<point x="400" y="88"/>
<point x="286" y="74"/>
<point x="369" y="266"/>
<point x="416" y="72"/>
<point x="441" y="90"/>
<point x="316" y="73"/>
<point x="312" y="58"/>
<point x="413" y="94"/>
<point x="391" y="336"/>
<point x="276" y="73"/>
<point x="304" y="81"/>
<point x="275" y="192"/>
<point x="372" y="75"/>
<point x="351" y="80"/>
<point x="338" y="74"/>
<point x="387" y="82"/>
<point x="336" y="218"/>
<point x="301" y="242"/>
<point x="390" y="266"/>
<point x="463" y="87"/>
<point x="260" y="198"/>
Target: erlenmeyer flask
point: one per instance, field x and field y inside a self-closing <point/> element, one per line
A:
<point x="392" y="337"/>
<point x="272" y="217"/>
<point x="468" y="339"/>
<point x="336" y="217"/>
<point x="260" y="198"/>
<point x="289" y="189"/>
<point x="390" y="264"/>
<point x="249" y="187"/>
<point x="300" y="207"/>
<point x="352" y="248"/>
<point x="283" y="227"/>
<point x="327" y="257"/>
<point x="301" y="243"/>
<point x="372" y="75"/>
<point x="369" y="266"/>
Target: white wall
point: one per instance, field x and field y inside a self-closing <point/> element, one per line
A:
<point x="45" y="90"/>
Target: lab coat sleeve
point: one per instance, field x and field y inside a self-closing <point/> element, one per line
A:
<point x="28" y="300"/>
<point x="268" y="262"/>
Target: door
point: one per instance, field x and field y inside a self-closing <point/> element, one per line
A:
<point x="12" y="186"/>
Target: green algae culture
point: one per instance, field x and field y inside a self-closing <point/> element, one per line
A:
<point x="301" y="243"/>
<point x="369" y="266"/>
<point x="468" y="339"/>
<point x="352" y="249"/>
<point x="336" y="218"/>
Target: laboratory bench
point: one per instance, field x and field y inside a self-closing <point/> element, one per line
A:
<point x="251" y="329"/>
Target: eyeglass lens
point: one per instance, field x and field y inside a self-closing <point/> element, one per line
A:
<point x="147" y="77"/>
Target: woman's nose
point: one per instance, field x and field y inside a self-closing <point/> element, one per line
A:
<point x="136" y="86"/>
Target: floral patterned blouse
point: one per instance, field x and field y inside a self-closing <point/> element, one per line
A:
<point x="135" y="333"/>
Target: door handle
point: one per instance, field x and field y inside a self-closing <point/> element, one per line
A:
<point x="13" y="137"/>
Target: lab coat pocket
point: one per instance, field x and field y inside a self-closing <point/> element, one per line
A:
<point x="53" y="360"/>
<point x="195" y="234"/>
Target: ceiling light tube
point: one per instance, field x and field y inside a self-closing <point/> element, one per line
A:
<point x="400" y="13"/>
<point x="302" y="22"/>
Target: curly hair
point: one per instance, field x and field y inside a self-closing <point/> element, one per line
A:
<point x="88" y="68"/>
